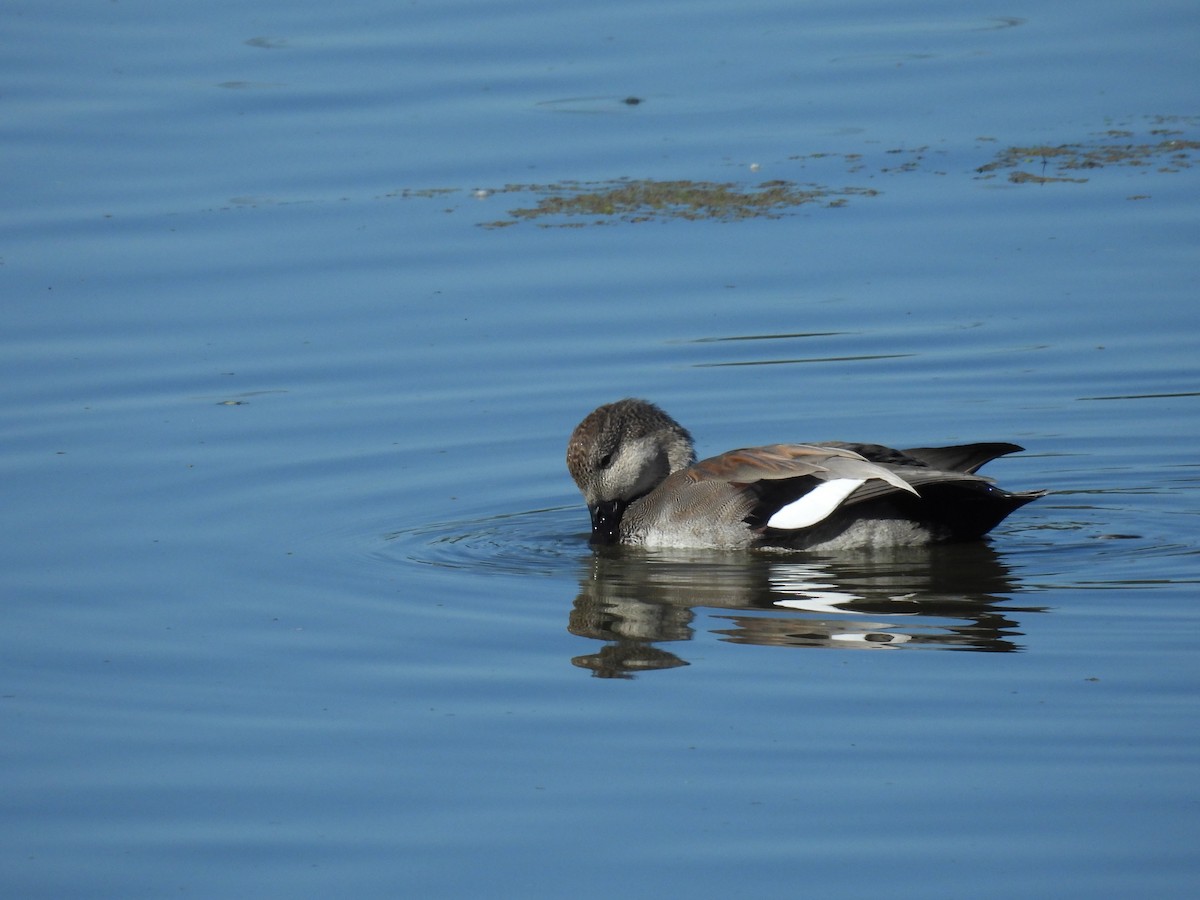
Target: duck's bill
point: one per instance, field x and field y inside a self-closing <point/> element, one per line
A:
<point x="606" y="522"/>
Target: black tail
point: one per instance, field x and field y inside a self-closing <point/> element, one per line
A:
<point x="967" y="458"/>
<point x="962" y="510"/>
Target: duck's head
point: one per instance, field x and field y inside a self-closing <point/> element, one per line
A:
<point x="620" y="452"/>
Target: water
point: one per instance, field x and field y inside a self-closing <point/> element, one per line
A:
<point x="297" y="598"/>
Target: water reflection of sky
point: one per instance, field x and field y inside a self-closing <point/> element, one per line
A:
<point x="297" y="587"/>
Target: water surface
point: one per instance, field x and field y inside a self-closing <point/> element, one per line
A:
<point x="301" y="304"/>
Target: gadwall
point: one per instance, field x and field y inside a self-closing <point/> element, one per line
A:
<point x="637" y="470"/>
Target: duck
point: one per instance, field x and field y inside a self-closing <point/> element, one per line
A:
<point x="637" y="470"/>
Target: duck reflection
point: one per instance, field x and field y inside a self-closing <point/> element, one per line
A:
<point x="951" y="597"/>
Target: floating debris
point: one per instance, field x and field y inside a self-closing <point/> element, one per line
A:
<point x="647" y="200"/>
<point x="1172" y="154"/>
<point x="1154" y="144"/>
<point x="422" y="193"/>
<point x="1020" y="177"/>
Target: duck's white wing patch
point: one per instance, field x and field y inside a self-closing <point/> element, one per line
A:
<point x="815" y="505"/>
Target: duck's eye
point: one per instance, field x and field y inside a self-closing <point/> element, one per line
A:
<point x="604" y="461"/>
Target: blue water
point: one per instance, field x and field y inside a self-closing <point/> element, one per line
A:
<point x="297" y="599"/>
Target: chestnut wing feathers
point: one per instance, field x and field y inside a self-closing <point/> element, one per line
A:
<point x="776" y="462"/>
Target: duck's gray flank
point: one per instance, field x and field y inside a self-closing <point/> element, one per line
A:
<point x="636" y="468"/>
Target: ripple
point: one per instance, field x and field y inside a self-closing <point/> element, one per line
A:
<point x="535" y="542"/>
